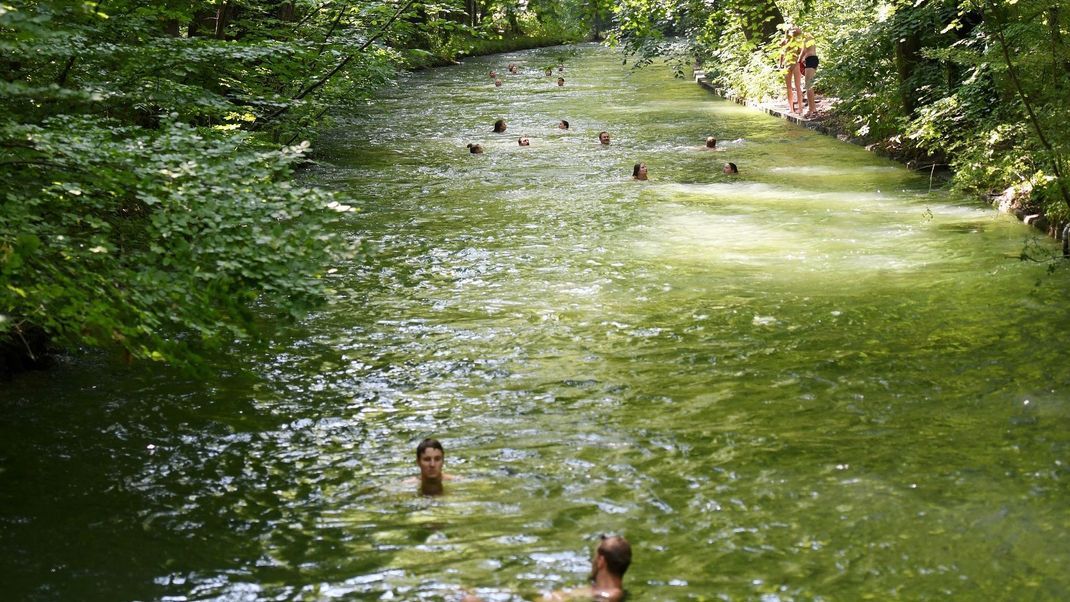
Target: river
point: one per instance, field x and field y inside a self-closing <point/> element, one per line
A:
<point x="815" y="380"/>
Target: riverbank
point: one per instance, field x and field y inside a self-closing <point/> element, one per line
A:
<point x="826" y="123"/>
<point x="1015" y="200"/>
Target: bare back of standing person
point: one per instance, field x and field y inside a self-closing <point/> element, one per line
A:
<point x="808" y="63"/>
<point x="788" y="61"/>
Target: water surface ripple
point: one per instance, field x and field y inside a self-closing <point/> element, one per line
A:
<point x="815" y="381"/>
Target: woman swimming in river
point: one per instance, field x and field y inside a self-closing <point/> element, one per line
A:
<point x="499" y="126"/>
<point x="639" y="172"/>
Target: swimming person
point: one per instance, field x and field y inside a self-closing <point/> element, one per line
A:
<point x="611" y="560"/>
<point x="730" y="169"/>
<point x="560" y="81"/>
<point x="562" y="125"/>
<point x="430" y="457"/>
<point x="639" y="171"/>
<point x="498" y="83"/>
<point x="475" y="149"/>
<point x="603" y="138"/>
<point x="711" y="143"/>
<point x="523" y="141"/>
<point x="499" y="126"/>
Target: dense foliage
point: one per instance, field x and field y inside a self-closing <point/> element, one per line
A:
<point x="146" y="194"/>
<point x="977" y="84"/>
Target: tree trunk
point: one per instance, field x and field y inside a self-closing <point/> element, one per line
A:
<point x="472" y="6"/>
<point x="760" y="20"/>
<point x="1058" y="48"/>
<point x="200" y="19"/>
<point x="223" y="16"/>
<point x="907" y="58"/>
<point x="286" y="12"/>
<point x="514" y="22"/>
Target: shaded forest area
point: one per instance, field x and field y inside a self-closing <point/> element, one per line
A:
<point x="148" y="205"/>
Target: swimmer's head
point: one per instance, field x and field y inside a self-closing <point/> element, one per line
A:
<point x="711" y="142"/>
<point x="562" y="125"/>
<point x="523" y="141"/>
<point x="475" y="149"/>
<point x="560" y="81"/>
<point x="730" y="168"/>
<point x="614" y="553"/>
<point x="499" y="126"/>
<point x="493" y="74"/>
<point x="639" y="171"/>
<point x="603" y="137"/>
<point x="498" y="83"/>
<point x="429" y="457"/>
<point x="549" y="71"/>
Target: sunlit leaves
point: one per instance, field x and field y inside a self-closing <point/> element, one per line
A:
<point x="224" y="223"/>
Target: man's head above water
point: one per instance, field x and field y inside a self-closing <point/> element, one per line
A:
<point x="613" y="556"/>
<point x="429" y="457"/>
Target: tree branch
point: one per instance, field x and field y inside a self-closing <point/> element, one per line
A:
<point x="1056" y="158"/>
<point x="323" y="45"/>
<point x="311" y="13"/>
<point x="312" y="88"/>
<point x="62" y="79"/>
<point x="32" y="162"/>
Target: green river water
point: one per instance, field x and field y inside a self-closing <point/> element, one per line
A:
<point x="816" y="380"/>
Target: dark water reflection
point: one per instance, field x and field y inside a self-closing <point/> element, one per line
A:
<point x="816" y="381"/>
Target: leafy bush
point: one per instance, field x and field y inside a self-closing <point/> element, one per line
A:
<point x="155" y="240"/>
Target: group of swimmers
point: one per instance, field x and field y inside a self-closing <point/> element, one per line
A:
<point x="611" y="558"/>
<point x="514" y="69"/>
<point x="639" y="170"/>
